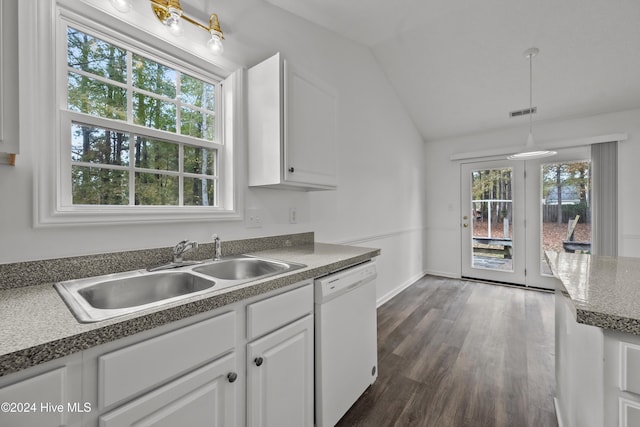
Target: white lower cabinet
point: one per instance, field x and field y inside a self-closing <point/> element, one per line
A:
<point x="182" y="374"/>
<point x="280" y="377"/>
<point x="134" y="369"/>
<point x="48" y="395"/>
<point x="195" y="372"/>
<point x="205" y="397"/>
<point x="597" y="373"/>
<point x="280" y="380"/>
<point x="622" y="379"/>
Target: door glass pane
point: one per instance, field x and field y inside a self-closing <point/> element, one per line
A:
<point x="566" y="209"/>
<point x="492" y="219"/>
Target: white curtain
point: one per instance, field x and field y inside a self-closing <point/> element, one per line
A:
<point x="604" y="232"/>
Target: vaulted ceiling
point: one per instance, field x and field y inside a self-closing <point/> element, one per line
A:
<point x="458" y="65"/>
<point x="458" y="68"/>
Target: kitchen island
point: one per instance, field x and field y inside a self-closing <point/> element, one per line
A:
<point x="597" y="340"/>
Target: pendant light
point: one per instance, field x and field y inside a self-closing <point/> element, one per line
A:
<point x="530" y="150"/>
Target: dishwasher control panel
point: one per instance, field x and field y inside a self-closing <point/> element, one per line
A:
<point x="330" y="286"/>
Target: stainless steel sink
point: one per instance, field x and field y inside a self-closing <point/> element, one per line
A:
<point x="104" y="297"/>
<point x="100" y="298"/>
<point x="141" y="290"/>
<point x="245" y="268"/>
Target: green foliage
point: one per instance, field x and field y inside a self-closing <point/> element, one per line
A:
<point x="491" y="184"/>
<point x="566" y="190"/>
<point x="98" y="186"/>
<point x="161" y="98"/>
<point x="570" y="212"/>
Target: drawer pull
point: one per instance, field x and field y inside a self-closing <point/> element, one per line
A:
<point x="258" y="361"/>
<point x="232" y="377"/>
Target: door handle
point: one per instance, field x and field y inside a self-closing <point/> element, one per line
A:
<point x="465" y="225"/>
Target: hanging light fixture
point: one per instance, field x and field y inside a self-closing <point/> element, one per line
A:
<point x="170" y="13"/>
<point x="530" y="150"/>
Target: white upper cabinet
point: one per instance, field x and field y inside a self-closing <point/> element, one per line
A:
<point x="8" y="81"/>
<point x="292" y="128"/>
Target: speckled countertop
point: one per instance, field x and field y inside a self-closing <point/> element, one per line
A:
<point x="605" y="291"/>
<point x="36" y="325"/>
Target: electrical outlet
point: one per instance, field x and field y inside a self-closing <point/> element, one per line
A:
<point x="253" y="218"/>
<point x="293" y="216"/>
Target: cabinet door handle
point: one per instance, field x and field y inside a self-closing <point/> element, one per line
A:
<point x="258" y="361"/>
<point x="232" y="377"/>
<point x="291" y="170"/>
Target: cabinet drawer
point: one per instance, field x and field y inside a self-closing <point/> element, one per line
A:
<point x="272" y="313"/>
<point x="630" y="367"/>
<point x="128" y="371"/>
<point x="204" y="397"/>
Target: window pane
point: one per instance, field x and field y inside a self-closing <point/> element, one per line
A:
<point x="197" y="124"/>
<point x="154" y="113"/>
<point x="156" y="189"/>
<point x="97" y="186"/>
<point x="196" y="92"/>
<point x="492" y="215"/>
<point x="90" y="96"/>
<point x="566" y="197"/>
<point x="96" y="56"/>
<point x="199" y="192"/>
<point x="199" y="160"/>
<point x="154" y="154"/>
<point x="96" y="145"/>
<point x="154" y="77"/>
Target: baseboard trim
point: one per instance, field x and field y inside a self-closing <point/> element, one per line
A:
<point x="558" y="413"/>
<point x="442" y="274"/>
<point x="389" y="295"/>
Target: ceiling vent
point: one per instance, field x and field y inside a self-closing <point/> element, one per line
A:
<point x="524" y="112"/>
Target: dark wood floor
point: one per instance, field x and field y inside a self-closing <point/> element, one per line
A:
<point x="454" y="353"/>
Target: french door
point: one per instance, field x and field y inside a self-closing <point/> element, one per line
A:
<point x="508" y="221"/>
<point x="493" y="232"/>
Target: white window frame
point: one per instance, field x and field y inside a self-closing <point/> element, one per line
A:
<point x="44" y="114"/>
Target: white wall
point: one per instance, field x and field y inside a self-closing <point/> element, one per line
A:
<point x="381" y="186"/>
<point x="442" y="215"/>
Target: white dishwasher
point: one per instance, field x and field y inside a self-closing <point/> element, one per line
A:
<point x="346" y="354"/>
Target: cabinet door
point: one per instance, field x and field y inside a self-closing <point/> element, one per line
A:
<point x="205" y="397"/>
<point x="8" y="80"/>
<point x="280" y="377"/>
<point x="47" y="395"/>
<point x="310" y="129"/>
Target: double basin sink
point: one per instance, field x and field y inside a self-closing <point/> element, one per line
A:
<point x="104" y="297"/>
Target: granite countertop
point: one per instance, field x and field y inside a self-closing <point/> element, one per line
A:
<point x="37" y="326"/>
<point x="605" y="291"/>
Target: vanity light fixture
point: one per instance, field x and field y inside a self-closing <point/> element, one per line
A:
<point x="530" y="150"/>
<point x="170" y="13"/>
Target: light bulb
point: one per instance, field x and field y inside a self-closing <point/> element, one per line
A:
<point x="215" y="44"/>
<point x="173" y="21"/>
<point x="123" y="6"/>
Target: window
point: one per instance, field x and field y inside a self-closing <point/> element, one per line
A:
<point x="129" y="125"/>
<point x="139" y="131"/>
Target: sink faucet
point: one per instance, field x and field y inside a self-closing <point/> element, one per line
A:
<point x="218" y="248"/>
<point x="181" y="248"/>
